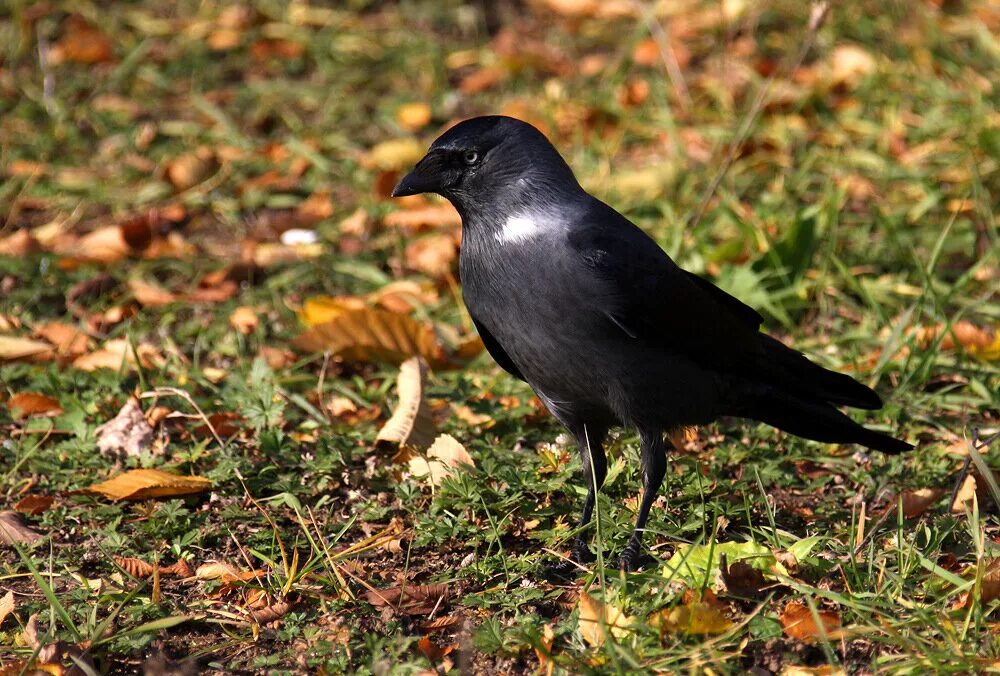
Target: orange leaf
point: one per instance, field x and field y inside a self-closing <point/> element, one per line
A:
<point x="431" y="216"/>
<point x="27" y="404"/>
<point x="244" y="320"/>
<point x="413" y="116"/>
<point x="18" y="347"/>
<point x="146" y="484"/>
<point x="34" y="504"/>
<point x="81" y="43"/>
<point x="799" y="623"/>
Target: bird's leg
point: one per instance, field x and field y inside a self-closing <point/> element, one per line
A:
<point x="595" y="469"/>
<point x="654" y="466"/>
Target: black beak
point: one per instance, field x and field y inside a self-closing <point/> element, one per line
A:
<point x="422" y="179"/>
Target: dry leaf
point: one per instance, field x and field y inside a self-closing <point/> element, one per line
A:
<point x="134" y="567"/>
<point x="274" y="253"/>
<point x="68" y="339"/>
<point x="14" y="530"/>
<point x="189" y="170"/>
<point x="433" y="255"/>
<point x="977" y="342"/>
<point x="482" y="79"/>
<point x="965" y="495"/>
<point x="433" y="652"/>
<point x="118" y="353"/>
<point x="798" y="622"/>
<point x="321" y="309"/>
<point x="28" y="404"/>
<point x="990" y="589"/>
<point x="741" y="578"/>
<point x="20" y="243"/>
<point x="850" y="63"/>
<point x="918" y="501"/>
<point x="377" y="335"/>
<point x="6" y="606"/>
<point x="413" y="116"/>
<point x="411" y="423"/>
<point x="418" y="599"/>
<point x="127" y="432"/>
<point x="444" y="455"/>
<point x="822" y="670"/>
<point x="150" y="295"/>
<point x="597" y="618"/>
<point x="217" y="570"/>
<point x="244" y="320"/>
<point x="80" y="43"/>
<point x="395" y="154"/>
<point x="272" y="612"/>
<point x="441" y="215"/>
<point x="146" y="484"/>
<point x="34" y="504"/>
<point x="18" y="347"/>
<point x="439" y="623"/>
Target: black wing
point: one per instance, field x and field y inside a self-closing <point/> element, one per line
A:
<point x="493" y="347"/>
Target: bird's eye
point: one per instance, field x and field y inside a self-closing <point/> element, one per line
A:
<point x="470" y="157"/>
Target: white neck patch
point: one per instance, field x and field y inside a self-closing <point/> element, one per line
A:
<point x="518" y="230"/>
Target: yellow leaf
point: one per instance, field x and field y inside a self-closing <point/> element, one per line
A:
<point x="411" y="424"/>
<point x="693" y="617"/>
<point x="145" y="484"/>
<point x="321" y="309"/>
<point x="395" y="154"/>
<point x="597" y="618"/>
<point x="444" y="455"/>
<point x="413" y="116"/>
<point x="118" y="352"/>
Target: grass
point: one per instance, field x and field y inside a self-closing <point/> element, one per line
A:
<point x="859" y="209"/>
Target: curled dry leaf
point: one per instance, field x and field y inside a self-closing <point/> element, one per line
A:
<point x="798" y="622"/>
<point x="14" y="530"/>
<point x="118" y="353"/>
<point x="80" y="43"/>
<point x="433" y="652"/>
<point x="597" y="618"/>
<point x="918" y="501"/>
<point x="440" y="460"/>
<point x="28" y="404"/>
<point x="411" y="423"/>
<point x="134" y="567"/>
<point x="439" y="623"/>
<point x="128" y="432"/>
<point x="6" y="606"/>
<point x="976" y="341"/>
<point x="417" y="599"/>
<point x="741" y="578"/>
<point x="68" y="339"/>
<point x="272" y="612"/>
<point x="180" y="568"/>
<point x="147" y="484"/>
<point x="18" y="347"/>
<point x="377" y="335"/>
<point x="244" y="320"/>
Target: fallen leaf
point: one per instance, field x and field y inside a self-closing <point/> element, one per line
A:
<point x="977" y="342"/>
<point x="6" y="606"/>
<point x="849" y="64"/>
<point x="244" y="320"/>
<point x="150" y="295"/>
<point x="411" y="423"/>
<point x="272" y="612"/>
<point x="468" y="416"/>
<point x="597" y="618"/>
<point x="20" y="243"/>
<point x="127" y="432"/>
<point x="439" y="623"/>
<point x="395" y="154"/>
<point x="482" y="79"/>
<point x="377" y="335"/>
<point x="269" y="254"/>
<point x="418" y="599"/>
<point x="822" y="670"/>
<point x="431" y="216"/>
<point x="147" y="484"/>
<point x="19" y="347"/>
<point x="693" y="617"/>
<point x="321" y="309"/>
<point x="798" y="622"/>
<point x="741" y="578"/>
<point x="134" y="567"/>
<point x="432" y="651"/>
<point x="440" y="460"/>
<point x="81" y="43"/>
<point x="990" y="588"/>
<point x="34" y="504"/>
<point x="27" y="404"/>
<point x="413" y="116"/>
<point x="434" y="255"/>
<point x="543" y="651"/>
<point x="965" y="496"/>
<point x="14" y="530"/>
<point x="68" y="339"/>
<point x="116" y="353"/>
<point x="187" y="171"/>
<point x="918" y="501"/>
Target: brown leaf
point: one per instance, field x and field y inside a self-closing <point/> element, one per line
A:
<point x="19" y="347"/>
<point x="150" y="295"/>
<point x="433" y="255"/>
<point x="34" y="504"/>
<point x="14" y="530"/>
<point x="376" y="335"/>
<point x="27" y="404"/>
<point x="146" y="484"/>
<point x="411" y="423"/>
<point x="918" y="501"/>
<point x="118" y="353"/>
<point x="68" y="339"/>
<point x="20" y="243"/>
<point x="439" y="623"/>
<point x="413" y="116"/>
<point x="81" y="43"/>
<point x="244" y="320"/>
<point x="798" y="622"/>
<point x="444" y="455"/>
<point x="127" y="432"/>
<point x="432" y="216"/>
<point x="849" y="64"/>
<point x="134" y="567"/>
<point x="544" y="651"/>
<point x="6" y="606"/>
<point x="272" y="612"/>
<point x="419" y="599"/>
<point x="181" y="568"/>
<point x="977" y="342"/>
<point x="432" y="651"/>
<point x="321" y="309"/>
<point x="965" y="495"/>
<point x="482" y="79"/>
<point x="742" y="579"/>
<point x="187" y="171"/>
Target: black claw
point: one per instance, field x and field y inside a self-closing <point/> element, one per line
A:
<point x="633" y="560"/>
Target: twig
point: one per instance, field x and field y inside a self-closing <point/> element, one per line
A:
<point x="157" y="392"/>
<point x="816" y="19"/>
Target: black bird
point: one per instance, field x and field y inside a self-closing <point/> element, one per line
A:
<point x="573" y="298"/>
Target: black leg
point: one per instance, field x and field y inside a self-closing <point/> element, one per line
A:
<point x="595" y="469"/>
<point x="654" y="467"/>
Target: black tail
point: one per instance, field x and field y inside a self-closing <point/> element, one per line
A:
<point x="800" y="397"/>
<point x="816" y="421"/>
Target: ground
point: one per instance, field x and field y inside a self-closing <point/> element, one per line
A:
<point x="196" y="242"/>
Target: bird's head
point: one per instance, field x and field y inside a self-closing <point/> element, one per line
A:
<point x="488" y="163"/>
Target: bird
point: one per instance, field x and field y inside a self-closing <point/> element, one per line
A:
<point x="571" y="297"/>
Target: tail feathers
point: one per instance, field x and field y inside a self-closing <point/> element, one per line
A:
<point x="817" y="421"/>
<point x="792" y="372"/>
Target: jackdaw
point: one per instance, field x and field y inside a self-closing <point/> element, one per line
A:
<point x="574" y="299"/>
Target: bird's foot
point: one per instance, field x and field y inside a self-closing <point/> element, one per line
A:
<point x="574" y="566"/>
<point x="632" y="559"/>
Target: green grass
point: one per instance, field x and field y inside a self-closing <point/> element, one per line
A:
<point x="841" y="219"/>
